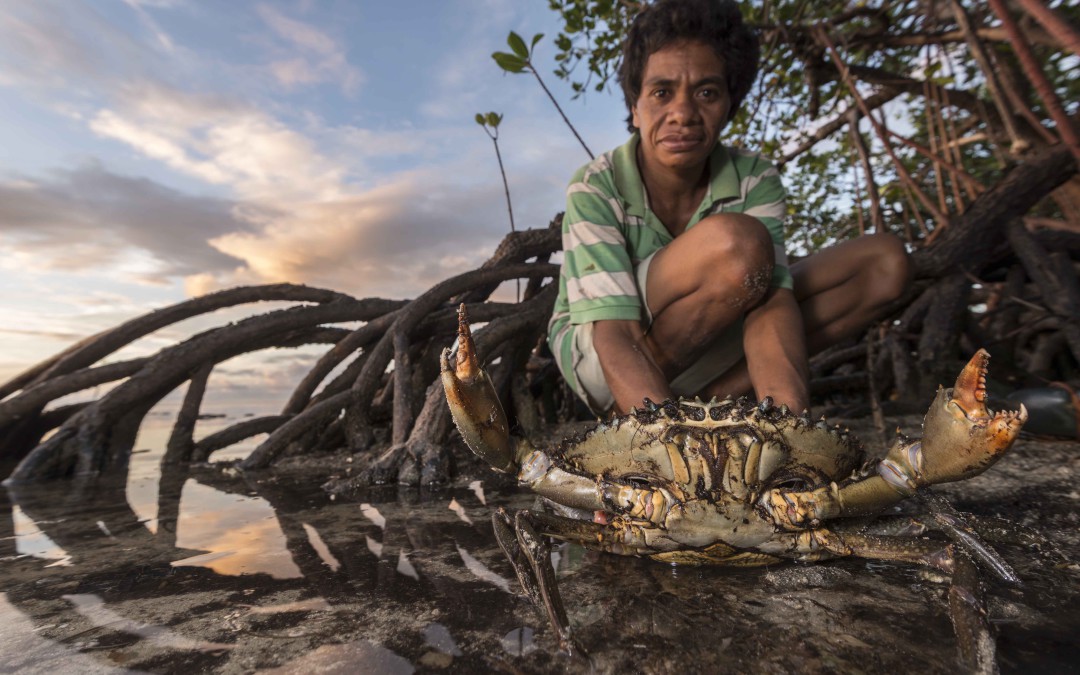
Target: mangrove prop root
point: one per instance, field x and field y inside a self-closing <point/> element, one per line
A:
<point x="370" y="391"/>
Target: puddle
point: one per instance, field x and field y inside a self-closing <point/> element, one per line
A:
<point x="211" y="571"/>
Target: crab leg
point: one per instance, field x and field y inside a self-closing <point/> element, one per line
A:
<point x="952" y="523"/>
<point x="967" y="610"/>
<point x="530" y="556"/>
<point x="546" y="479"/>
<point x="623" y="537"/>
<point x="996" y="530"/>
<point x="481" y="421"/>
<point x="824" y="544"/>
<point x="962" y="439"/>
<point x="503" y="525"/>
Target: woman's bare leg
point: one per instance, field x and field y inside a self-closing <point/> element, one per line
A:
<point x="840" y="290"/>
<point x="702" y="283"/>
<point x="844" y="288"/>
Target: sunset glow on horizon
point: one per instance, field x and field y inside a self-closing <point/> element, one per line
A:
<point x="153" y="150"/>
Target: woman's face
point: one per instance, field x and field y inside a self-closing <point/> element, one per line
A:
<point x="683" y="106"/>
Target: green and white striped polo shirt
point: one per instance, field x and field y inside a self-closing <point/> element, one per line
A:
<point x="608" y="229"/>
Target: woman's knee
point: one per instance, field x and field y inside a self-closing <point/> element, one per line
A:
<point x="734" y="250"/>
<point x="890" y="266"/>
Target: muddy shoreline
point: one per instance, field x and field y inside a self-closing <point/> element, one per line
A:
<point x="399" y="580"/>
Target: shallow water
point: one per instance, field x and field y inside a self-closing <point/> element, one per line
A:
<point x="211" y="570"/>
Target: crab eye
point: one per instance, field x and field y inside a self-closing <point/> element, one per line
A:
<point x="793" y="484"/>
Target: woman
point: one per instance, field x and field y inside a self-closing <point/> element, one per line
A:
<point x="674" y="279"/>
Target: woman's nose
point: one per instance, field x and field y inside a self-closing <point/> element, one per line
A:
<point x="683" y="109"/>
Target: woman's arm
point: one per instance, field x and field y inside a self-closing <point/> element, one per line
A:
<point x="629" y="367"/>
<point x="775" y="346"/>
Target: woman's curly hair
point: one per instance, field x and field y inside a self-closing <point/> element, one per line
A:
<point x="717" y="23"/>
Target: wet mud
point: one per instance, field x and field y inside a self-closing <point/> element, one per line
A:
<point x="209" y="570"/>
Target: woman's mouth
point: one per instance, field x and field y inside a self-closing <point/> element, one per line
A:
<point x="680" y="143"/>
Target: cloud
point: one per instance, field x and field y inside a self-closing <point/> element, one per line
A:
<point x="321" y="58"/>
<point x="156" y="4"/>
<point x="395" y="240"/>
<point x="61" y="44"/>
<point x="278" y="370"/>
<point x="362" y="144"/>
<point x="243" y="101"/>
<point x="139" y="7"/>
<point x="306" y="217"/>
<point x="304" y="203"/>
<point x="73" y="51"/>
<point x="221" y="141"/>
<point x="51" y="334"/>
<point x="90" y="219"/>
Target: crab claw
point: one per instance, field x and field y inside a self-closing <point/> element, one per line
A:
<point x="961" y="437"/>
<point x="474" y="405"/>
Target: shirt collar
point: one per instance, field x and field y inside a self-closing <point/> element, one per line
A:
<point x="627" y="177"/>
<point x="725" y="182"/>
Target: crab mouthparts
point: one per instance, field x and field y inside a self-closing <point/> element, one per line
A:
<point x="969" y="394"/>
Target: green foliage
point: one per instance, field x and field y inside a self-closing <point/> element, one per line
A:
<point x="799" y="89"/>
<point x="592" y="33"/>
<point x="490" y="119"/>
<point x="510" y="63"/>
<point x="520" y="59"/>
<point x="518" y="45"/>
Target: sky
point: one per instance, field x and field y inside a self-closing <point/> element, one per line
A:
<point x="155" y="150"/>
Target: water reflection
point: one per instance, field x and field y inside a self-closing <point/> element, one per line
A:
<point x="242" y="530"/>
<point x="460" y="511"/>
<point x="482" y="572"/>
<point x="519" y="642"/>
<point x="217" y="563"/>
<point x="372" y="514"/>
<point x="31" y="541"/>
<point x="373" y="545"/>
<point x="438" y="636"/>
<point x="213" y="570"/>
<point x="320" y="547"/>
<point x="478" y="489"/>
<point x="405" y="567"/>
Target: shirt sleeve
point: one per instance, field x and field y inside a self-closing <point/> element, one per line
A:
<point x="766" y="200"/>
<point x="596" y="266"/>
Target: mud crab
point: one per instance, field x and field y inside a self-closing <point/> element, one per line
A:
<point x="727" y="482"/>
